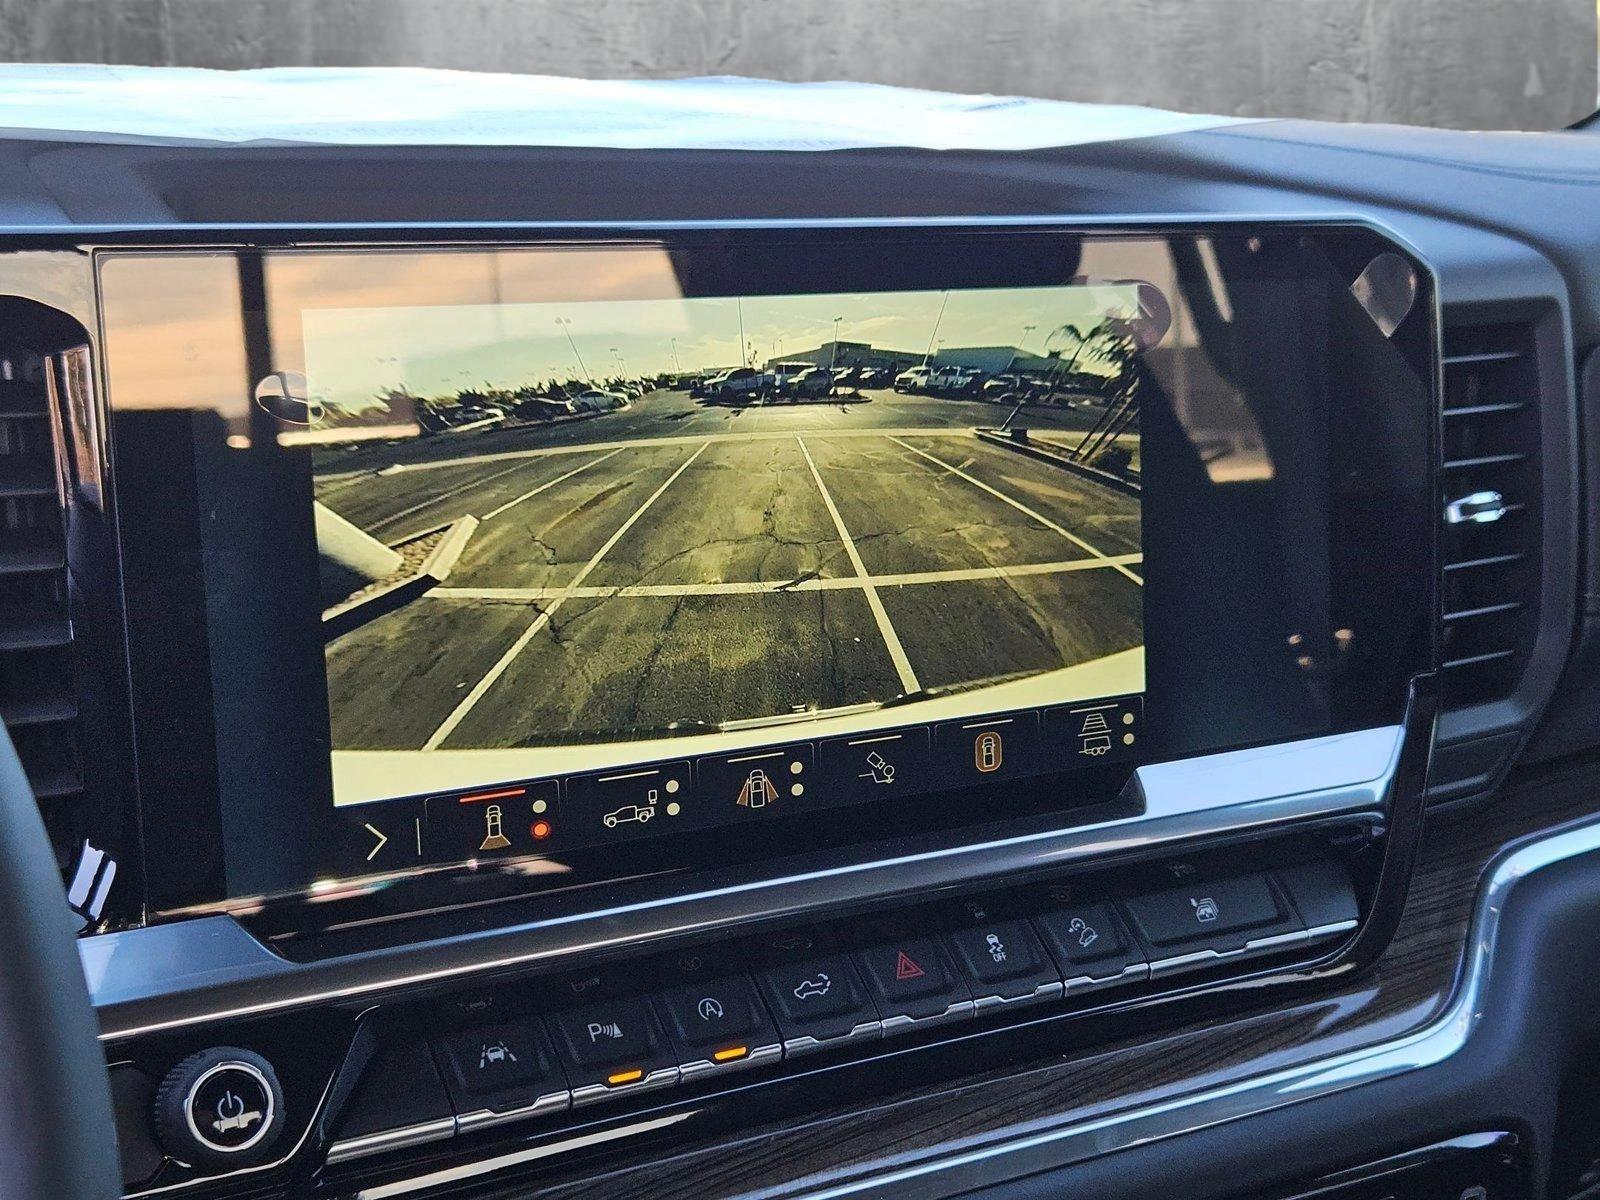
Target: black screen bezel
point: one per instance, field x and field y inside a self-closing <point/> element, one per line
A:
<point x="183" y="818"/>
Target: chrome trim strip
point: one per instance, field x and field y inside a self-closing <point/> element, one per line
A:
<point x="1045" y="991"/>
<point x="187" y="973"/>
<point x="1132" y="973"/>
<point x="806" y="1044"/>
<point x="591" y="1092"/>
<point x="391" y="1139"/>
<point x="483" y="1118"/>
<point x="1426" y="1047"/>
<point x="905" y="1023"/>
<point x="691" y="1071"/>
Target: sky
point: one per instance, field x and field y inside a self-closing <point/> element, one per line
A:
<point x="352" y="354"/>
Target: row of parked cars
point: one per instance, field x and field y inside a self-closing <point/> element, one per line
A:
<point x="792" y="381"/>
<point x="969" y="382"/>
<point x="487" y="414"/>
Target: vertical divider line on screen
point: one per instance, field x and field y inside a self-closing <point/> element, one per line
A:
<point x="891" y="639"/>
<point x="1022" y="508"/>
<point x="470" y="701"/>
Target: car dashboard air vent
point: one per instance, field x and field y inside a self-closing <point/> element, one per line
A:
<point x="1491" y="538"/>
<point x="37" y="698"/>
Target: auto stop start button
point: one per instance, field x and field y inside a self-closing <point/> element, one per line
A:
<point x="220" y="1106"/>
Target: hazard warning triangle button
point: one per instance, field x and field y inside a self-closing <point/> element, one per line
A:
<point x="911" y="978"/>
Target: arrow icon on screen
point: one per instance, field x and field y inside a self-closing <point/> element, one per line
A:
<point x="383" y="840"/>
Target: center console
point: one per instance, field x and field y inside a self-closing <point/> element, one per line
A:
<point x="642" y="665"/>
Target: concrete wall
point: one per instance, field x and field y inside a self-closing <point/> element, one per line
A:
<point x="1510" y="64"/>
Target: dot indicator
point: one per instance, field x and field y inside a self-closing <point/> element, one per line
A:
<point x="797" y="789"/>
<point x="674" y="808"/>
<point x="672" y="786"/>
<point x="540" y="830"/>
<point x="540" y="806"/>
<point x="1127" y="718"/>
<point x="796" y="767"/>
<point x="1127" y="739"/>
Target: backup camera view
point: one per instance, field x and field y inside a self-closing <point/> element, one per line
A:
<point x="722" y="522"/>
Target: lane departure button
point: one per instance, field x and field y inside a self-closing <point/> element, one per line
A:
<point x="501" y="1067"/>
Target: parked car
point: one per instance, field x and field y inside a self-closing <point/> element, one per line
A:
<point x="471" y="417"/>
<point x="741" y="384"/>
<point x="914" y="379"/>
<point x="812" y="383"/>
<point x="542" y="408"/>
<point x="600" y="400"/>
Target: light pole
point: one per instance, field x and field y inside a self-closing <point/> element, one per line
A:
<point x="744" y="348"/>
<point x="676" y="365"/>
<point x="934" y="332"/>
<point x="566" y="328"/>
<point x="833" y="359"/>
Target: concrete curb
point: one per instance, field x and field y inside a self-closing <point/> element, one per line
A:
<point x="435" y="569"/>
<point x="996" y="438"/>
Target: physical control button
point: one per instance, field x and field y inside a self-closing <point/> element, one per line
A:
<point x="1088" y="944"/>
<point x="1322" y="893"/>
<point x="719" y="1022"/>
<point x="399" y="1101"/>
<point x="503" y="1066"/>
<point x="911" y="981"/>
<point x="1004" y="960"/>
<point x="1221" y="915"/>
<point x="222" y="1107"/>
<point x="612" y="1044"/>
<point x="818" y="1000"/>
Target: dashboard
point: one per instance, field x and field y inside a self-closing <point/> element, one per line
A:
<point x="883" y="672"/>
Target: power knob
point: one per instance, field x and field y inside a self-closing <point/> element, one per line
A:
<point x="222" y="1107"/>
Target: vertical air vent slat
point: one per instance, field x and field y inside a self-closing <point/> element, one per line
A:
<point x="1491" y="521"/>
<point x="37" y="696"/>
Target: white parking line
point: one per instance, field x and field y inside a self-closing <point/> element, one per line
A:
<point x="891" y="639"/>
<point x="1022" y="508"/>
<point x="685" y="439"/>
<point x="510" y="504"/>
<point x="444" y="495"/>
<point x="839" y="583"/>
<point x="459" y="713"/>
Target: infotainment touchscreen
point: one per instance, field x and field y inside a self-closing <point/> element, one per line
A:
<point x="515" y="552"/>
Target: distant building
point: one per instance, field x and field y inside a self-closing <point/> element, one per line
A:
<point x="992" y="360"/>
<point x="848" y="354"/>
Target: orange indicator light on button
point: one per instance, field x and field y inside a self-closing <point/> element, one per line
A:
<point x="540" y="830"/>
<point x="731" y="1053"/>
<point x="632" y="1076"/>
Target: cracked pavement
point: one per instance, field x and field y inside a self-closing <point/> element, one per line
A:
<point x="746" y="510"/>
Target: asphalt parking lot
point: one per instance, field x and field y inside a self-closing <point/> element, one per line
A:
<point x="681" y="566"/>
